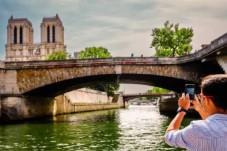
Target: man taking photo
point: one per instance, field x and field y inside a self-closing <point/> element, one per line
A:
<point x="210" y="133"/>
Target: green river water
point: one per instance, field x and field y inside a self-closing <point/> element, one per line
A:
<point x="138" y="128"/>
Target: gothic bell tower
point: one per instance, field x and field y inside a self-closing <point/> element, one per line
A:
<point x="19" y="38"/>
<point x="20" y="46"/>
<point x="52" y="35"/>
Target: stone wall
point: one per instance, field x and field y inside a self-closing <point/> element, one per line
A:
<point x="9" y="85"/>
<point x="84" y="99"/>
<point x="87" y="96"/>
<point x="19" y="108"/>
<point x="62" y="106"/>
<point x="95" y="107"/>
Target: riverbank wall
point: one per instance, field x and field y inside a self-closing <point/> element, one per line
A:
<point x="82" y="100"/>
<point x="168" y="106"/>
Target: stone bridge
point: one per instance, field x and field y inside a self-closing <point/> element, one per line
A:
<point x="28" y="89"/>
<point x="51" y="78"/>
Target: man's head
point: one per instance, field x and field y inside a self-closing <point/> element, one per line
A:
<point x="216" y="86"/>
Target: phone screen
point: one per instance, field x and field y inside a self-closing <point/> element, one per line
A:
<point x="190" y="89"/>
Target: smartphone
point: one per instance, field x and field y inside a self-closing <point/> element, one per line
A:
<point x="190" y="89"/>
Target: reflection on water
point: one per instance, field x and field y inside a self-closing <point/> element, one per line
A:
<point x="136" y="128"/>
<point x="140" y="128"/>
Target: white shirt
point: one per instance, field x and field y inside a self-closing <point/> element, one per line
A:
<point x="203" y="135"/>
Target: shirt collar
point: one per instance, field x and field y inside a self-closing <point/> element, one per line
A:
<point x="217" y="117"/>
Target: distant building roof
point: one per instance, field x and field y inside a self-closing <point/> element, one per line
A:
<point x="52" y="18"/>
<point x="11" y="19"/>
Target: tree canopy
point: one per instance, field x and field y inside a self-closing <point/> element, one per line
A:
<point x="100" y="52"/>
<point x="95" y="52"/>
<point x="157" y="90"/>
<point x="172" y="40"/>
<point x="58" y="55"/>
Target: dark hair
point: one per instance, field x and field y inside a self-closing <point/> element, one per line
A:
<point x="216" y="86"/>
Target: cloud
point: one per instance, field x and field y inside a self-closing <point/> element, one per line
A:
<point x="123" y="26"/>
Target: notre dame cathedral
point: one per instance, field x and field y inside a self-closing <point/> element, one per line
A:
<point x="20" y="46"/>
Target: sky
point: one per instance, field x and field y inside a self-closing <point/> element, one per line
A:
<point x="122" y="26"/>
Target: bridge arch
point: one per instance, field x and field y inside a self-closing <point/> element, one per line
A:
<point x="76" y="83"/>
<point x="54" y="81"/>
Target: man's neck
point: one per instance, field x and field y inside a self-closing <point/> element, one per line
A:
<point x="217" y="111"/>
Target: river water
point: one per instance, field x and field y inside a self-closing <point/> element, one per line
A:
<point x="138" y="128"/>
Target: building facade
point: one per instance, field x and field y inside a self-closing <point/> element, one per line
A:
<point x="20" y="46"/>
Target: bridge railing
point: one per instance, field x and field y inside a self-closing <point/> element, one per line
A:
<point x="220" y="41"/>
<point x="94" y="62"/>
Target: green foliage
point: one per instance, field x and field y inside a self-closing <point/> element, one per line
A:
<point x="157" y="90"/>
<point x="172" y="40"/>
<point x="109" y="88"/>
<point x="100" y="52"/>
<point x="95" y="52"/>
<point x="58" y="55"/>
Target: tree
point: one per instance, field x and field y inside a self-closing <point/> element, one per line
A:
<point x="172" y="40"/>
<point x="109" y="88"/>
<point x="157" y="90"/>
<point x="58" y="55"/>
<point x="100" y="52"/>
<point x="94" y="52"/>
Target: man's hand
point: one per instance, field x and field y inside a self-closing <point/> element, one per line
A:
<point x="196" y="104"/>
<point x="199" y="108"/>
<point x="184" y="101"/>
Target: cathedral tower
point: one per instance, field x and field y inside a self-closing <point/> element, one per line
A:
<point x="19" y="39"/>
<point x="52" y="34"/>
<point x="20" y="46"/>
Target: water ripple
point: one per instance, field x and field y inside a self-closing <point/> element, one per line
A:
<point x="134" y="129"/>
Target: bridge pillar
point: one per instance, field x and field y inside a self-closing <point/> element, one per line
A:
<point x="18" y="108"/>
<point x="126" y="104"/>
<point x="222" y="61"/>
<point x="118" y="98"/>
